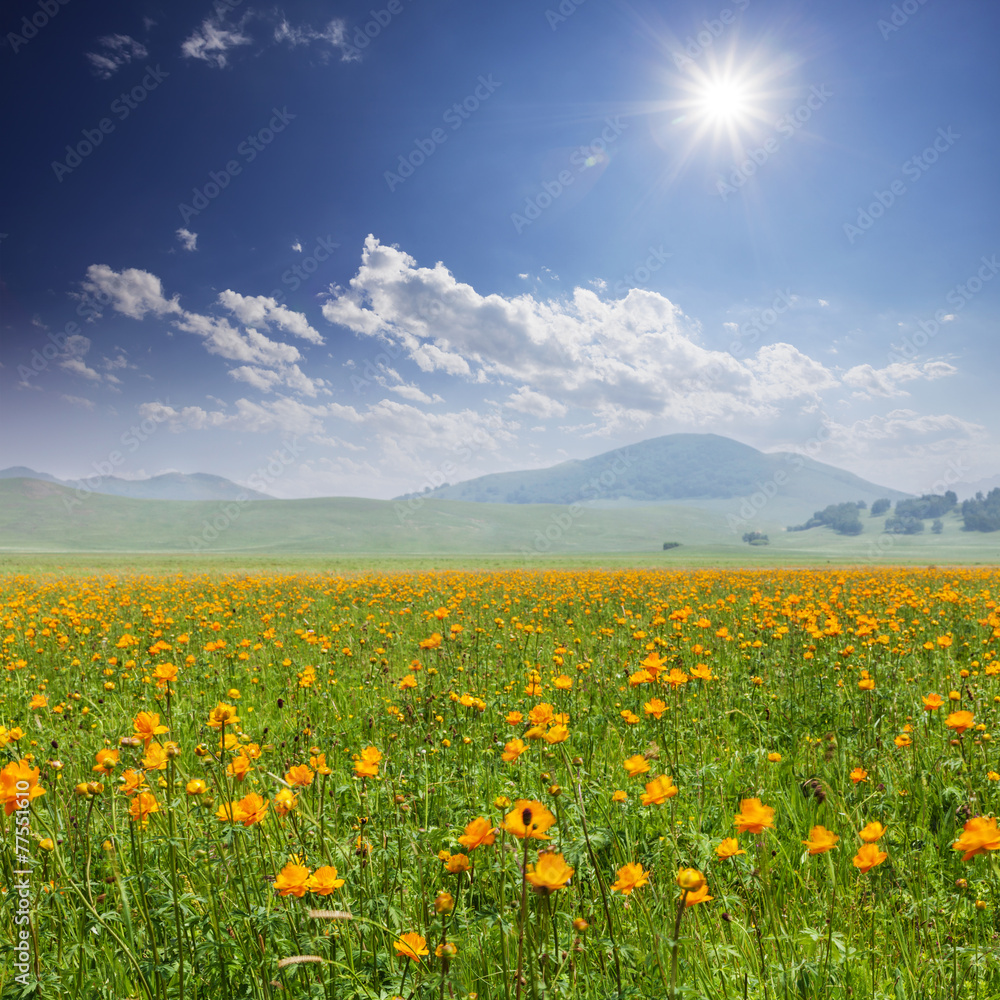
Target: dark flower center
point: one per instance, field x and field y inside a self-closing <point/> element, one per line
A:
<point x="526" y="818"/>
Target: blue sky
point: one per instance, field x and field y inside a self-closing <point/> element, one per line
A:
<point x="374" y="246"/>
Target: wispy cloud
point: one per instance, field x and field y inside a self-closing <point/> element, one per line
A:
<point x="114" y="52"/>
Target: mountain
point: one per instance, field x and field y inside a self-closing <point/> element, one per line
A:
<point x="678" y="467"/>
<point x="169" y="486"/>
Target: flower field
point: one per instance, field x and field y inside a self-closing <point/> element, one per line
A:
<point x="739" y="784"/>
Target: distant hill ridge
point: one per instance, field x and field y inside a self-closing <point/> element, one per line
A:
<point x="671" y="468"/>
<point x="168" y="486"/>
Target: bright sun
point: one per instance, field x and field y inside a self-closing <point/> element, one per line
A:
<point x="723" y="101"/>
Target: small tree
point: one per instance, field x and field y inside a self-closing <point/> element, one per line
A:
<point x="879" y="507"/>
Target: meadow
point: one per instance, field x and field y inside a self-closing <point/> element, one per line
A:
<point x="587" y="783"/>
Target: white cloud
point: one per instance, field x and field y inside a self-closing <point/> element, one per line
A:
<point x="87" y="404"/>
<point x="535" y="404"/>
<point x="212" y="42"/>
<point x="265" y="363"/>
<point x="297" y="246"/>
<point x="824" y="303"/>
<point x="132" y="292"/>
<point x="414" y="393"/>
<point x="188" y="239"/>
<point x="629" y="360"/>
<point x="261" y="310"/>
<point x="333" y="35"/>
<point x="115" y="51"/>
<point x="885" y="382"/>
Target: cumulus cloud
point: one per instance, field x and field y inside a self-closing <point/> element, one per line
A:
<point x="87" y="404"/>
<point x="262" y="310"/>
<point x="629" y="360"/>
<point x="131" y="292"/>
<point x="264" y="362"/>
<point x="188" y="239"/>
<point x="535" y="404"/>
<point x="115" y="51"/>
<point x="885" y="382"/>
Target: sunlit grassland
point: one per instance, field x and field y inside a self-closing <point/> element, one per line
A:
<point x="785" y="681"/>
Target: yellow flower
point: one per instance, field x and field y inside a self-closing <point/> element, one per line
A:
<point x="292" y="880"/>
<point x="729" y="848"/>
<point x="550" y="873"/>
<point x="411" y="946"/>
<point x="774" y="758"/>
<point x="619" y="796"/>
<point x="478" y="833"/>
<point x="979" y="836"/>
<point x="528" y="818"/>
<point x="868" y="857"/>
<point x="872" y="832"/>
<point x="630" y="877"/>
<point x="636" y="765"/>
<point x="285" y="801"/>
<point x="659" y="790"/>
<point x="821" y="840"/>
<point x="959" y="721"/>
<point x="324" y="881"/>
<point x="754" y="817"/>
<point x="196" y="787"/>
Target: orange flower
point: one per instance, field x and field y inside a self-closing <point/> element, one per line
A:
<point x="550" y="873"/>
<point x="698" y="896"/>
<point x="513" y="750"/>
<point x="868" y="857"/>
<point x="13" y="775"/>
<point x="478" y="833"/>
<point x="959" y="721"/>
<point x="251" y="809"/>
<point x="155" y="758"/>
<point x="556" y="734"/>
<point x="292" y="880"/>
<point x="655" y="707"/>
<point x="319" y="763"/>
<point x="932" y="702"/>
<point x="659" y="790"/>
<point x="107" y="760"/>
<point x="223" y="715"/>
<point x="903" y="741"/>
<point x="979" y="836"/>
<point x="457" y="863"/>
<point x="821" y="840"/>
<point x="620" y="796"/>
<point x="142" y="807"/>
<point x="729" y="848"/>
<point x="542" y="714"/>
<point x="753" y="817"/>
<point x="132" y="781"/>
<point x="528" y="818"/>
<point x="299" y="776"/>
<point x="285" y="801"/>
<point x="636" y="765"/>
<point x="630" y="877"/>
<point x="324" y="881"/>
<point x="411" y="946"/>
<point x="433" y="642"/>
<point x="239" y="767"/>
<point x="858" y="775"/>
<point x="196" y="787"/>
<point x="147" y="725"/>
<point x="872" y="832"/>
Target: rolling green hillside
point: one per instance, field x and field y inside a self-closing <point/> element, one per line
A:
<point x="39" y="517"/>
<point x="687" y="467"/>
